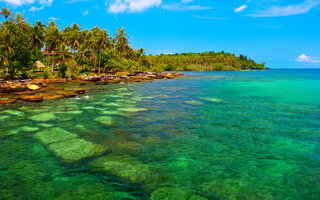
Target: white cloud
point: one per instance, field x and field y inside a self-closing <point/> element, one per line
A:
<point x="180" y="7"/>
<point x="26" y="2"/>
<point x="18" y="2"/>
<point x="295" y="9"/>
<point x="307" y="59"/>
<point x="118" y="6"/>
<point x="53" y="18"/>
<point x="42" y="3"/>
<point x="86" y="12"/>
<point x="241" y="8"/>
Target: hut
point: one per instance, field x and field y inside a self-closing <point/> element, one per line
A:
<point x="40" y="66"/>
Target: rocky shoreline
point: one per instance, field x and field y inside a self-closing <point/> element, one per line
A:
<point x="35" y="90"/>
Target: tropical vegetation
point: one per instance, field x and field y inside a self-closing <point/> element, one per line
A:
<point x="78" y="51"/>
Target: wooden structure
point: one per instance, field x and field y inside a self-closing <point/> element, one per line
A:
<point x="40" y="66"/>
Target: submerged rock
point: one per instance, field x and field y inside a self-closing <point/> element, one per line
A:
<point x="76" y="149"/>
<point x="14" y="112"/>
<point x="29" y="129"/>
<point x="111" y="112"/>
<point x="43" y="117"/>
<point x="174" y="193"/>
<point x="88" y="108"/>
<point x="106" y="120"/>
<point x="52" y="135"/>
<point x="126" y="168"/>
<point x="45" y="125"/>
<point x="112" y="104"/>
<point x="4" y="117"/>
<point x="133" y="109"/>
<point x="193" y="102"/>
<point x="211" y="99"/>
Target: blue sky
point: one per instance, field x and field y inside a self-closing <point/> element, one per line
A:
<point x="282" y="33"/>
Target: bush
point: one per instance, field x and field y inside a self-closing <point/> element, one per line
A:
<point x="24" y="75"/>
<point x="62" y="70"/>
<point x="169" y="67"/>
<point x="45" y="74"/>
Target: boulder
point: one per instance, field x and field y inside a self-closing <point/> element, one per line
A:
<point x="78" y="90"/>
<point x="31" y="98"/>
<point x="67" y="94"/>
<point x="7" y="101"/>
<point x="12" y="88"/>
<point x="52" y="96"/>
<point x="33" y="87"/>
<point x="101" y="83"/>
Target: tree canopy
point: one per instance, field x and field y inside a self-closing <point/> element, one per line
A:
<point x="22" y="44"/>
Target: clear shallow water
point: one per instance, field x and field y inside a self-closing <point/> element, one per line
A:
<point x="207" y="135"/>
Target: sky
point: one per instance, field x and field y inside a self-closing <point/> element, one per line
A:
<point x="280" y="33"/>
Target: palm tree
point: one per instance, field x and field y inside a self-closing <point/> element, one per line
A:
<point x="141" y="53"/>
<point x="101" y="41"/>
<point x="82" y="55"/>
<point x="6" y="12"/>
<point x="122" y="42"/>
<point x="73" y="37"/>
<point x="41" y="25"/>
<point x="19" y="20"/>
<point x="54" y="39"/>
<point x="91" y="43"/>
<point x="63" y="53"/>
<point x="37" y="37"/>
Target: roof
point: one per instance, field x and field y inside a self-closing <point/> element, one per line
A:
<point x="47" y="52"/>
<point x="39" y="64"/>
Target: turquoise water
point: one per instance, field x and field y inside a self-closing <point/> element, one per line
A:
<point x="207" y="135"/>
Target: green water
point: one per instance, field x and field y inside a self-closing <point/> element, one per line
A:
<point x="207" y="135"/>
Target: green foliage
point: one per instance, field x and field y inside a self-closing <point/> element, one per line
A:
<point x="63" y="67"/>
<point x="95" y="51"/>
<point x="207" y="61"/>
<point x="169" y="67"/>
<point x="45" y="74"/>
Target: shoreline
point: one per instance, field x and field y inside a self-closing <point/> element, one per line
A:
<point x="39" y="89"/>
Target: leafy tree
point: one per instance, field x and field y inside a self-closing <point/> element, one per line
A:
<point x="17" y="49"/>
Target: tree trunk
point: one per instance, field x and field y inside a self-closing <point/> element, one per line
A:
<point x="94" y="61"/>
<point x="99" y="61"/>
